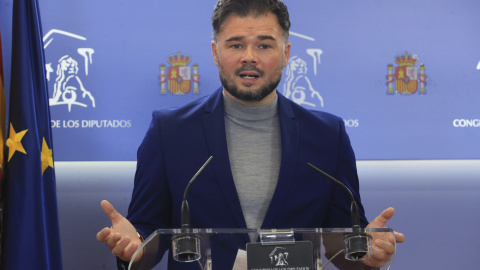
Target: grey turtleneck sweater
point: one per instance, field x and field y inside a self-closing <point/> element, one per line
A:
<point x="254" y="149"/>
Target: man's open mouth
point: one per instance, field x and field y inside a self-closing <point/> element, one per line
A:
<point x="249" y="76"/>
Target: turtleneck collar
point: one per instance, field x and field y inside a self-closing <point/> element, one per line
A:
<point x="241" y="111"/>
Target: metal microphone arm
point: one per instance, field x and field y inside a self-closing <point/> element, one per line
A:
<point x="358" y="243"/>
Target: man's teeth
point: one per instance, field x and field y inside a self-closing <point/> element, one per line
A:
<point x="249" y="76"/>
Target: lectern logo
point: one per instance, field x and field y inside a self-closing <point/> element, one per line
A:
<point x="407" y="76"/>
<point x="296" y="255"/>
<point x="179" y="77"/>
<point x="279" y="256"/>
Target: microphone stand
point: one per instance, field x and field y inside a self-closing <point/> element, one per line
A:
<point x="186" y="246"/>
<point x="358" y="243"/>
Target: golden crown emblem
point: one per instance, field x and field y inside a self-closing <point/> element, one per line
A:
<point x="406" y="60"/>
<point x="179" y="60"/>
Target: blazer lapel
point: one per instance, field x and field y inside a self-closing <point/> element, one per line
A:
<point x="290" y="145"/>
<point x="214" y="129"/>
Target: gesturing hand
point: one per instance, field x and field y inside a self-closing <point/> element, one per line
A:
<point x="122" y="238"/>
<point x="383" y="245"/>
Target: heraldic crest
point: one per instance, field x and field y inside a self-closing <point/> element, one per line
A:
<point x="407" y="76"/>
<point x="179" y="75"/>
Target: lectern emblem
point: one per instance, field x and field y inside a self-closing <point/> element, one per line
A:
<point x="179" y="76"/>
<point x="279" y="256"/>
<point x="295" y="255"/>
<point x="407" y="76"/>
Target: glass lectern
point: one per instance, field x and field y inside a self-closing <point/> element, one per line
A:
<point x="305" y="249"/>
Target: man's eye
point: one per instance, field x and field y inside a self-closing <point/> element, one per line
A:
<point x="264" y="46"/>
<point x="236" y="46"/>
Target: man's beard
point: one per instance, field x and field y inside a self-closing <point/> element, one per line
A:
<point x="252" y="95"/>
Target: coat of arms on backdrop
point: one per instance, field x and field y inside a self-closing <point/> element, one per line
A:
<point x="407" y="76"/>
<point x="179" y="77"/>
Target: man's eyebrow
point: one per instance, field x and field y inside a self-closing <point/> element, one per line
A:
<point x="239" y="38"/>
<point x="266" y="37"/>
<point x="234" y="39"/>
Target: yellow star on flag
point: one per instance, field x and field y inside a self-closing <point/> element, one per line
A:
<point x="47" y="156"/>
<point x="14" y="142"/>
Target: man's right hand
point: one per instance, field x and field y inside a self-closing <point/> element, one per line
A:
<point x="122" y="238"/>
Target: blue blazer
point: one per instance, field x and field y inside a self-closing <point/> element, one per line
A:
<point x="180" y="140"/>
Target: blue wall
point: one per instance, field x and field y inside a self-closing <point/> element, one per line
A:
<point x="113" y="52"/>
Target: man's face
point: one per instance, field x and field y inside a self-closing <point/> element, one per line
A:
<point x="250" y="55"/>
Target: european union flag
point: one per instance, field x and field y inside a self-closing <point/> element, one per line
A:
<point x="31" y="233"/>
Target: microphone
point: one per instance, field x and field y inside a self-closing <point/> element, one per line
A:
<point x="186" y="246"/>
<point x="358" y="243"/>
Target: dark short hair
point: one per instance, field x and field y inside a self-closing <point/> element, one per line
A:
<point x="255" y="8"/>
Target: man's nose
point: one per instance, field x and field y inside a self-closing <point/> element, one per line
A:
<point x="249" y="55"/>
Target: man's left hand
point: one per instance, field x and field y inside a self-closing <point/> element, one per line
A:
<point x="383" y="244"/>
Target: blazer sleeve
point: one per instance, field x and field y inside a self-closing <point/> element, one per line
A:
<point x="338" y="214"/>
<point x="150" y="206"/>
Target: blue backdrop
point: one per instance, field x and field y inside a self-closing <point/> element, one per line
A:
<point x="104" y="68"/>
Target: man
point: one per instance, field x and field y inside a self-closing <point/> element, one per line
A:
<point x="261" y="143"/>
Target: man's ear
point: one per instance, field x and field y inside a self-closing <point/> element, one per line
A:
<point x="214" y="52"/>
<point x="287" y="53"/>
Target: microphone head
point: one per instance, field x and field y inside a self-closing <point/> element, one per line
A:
<point x="185" y="216"/>
<point x="357" y="245"/>
<point x="186" y="248"/>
